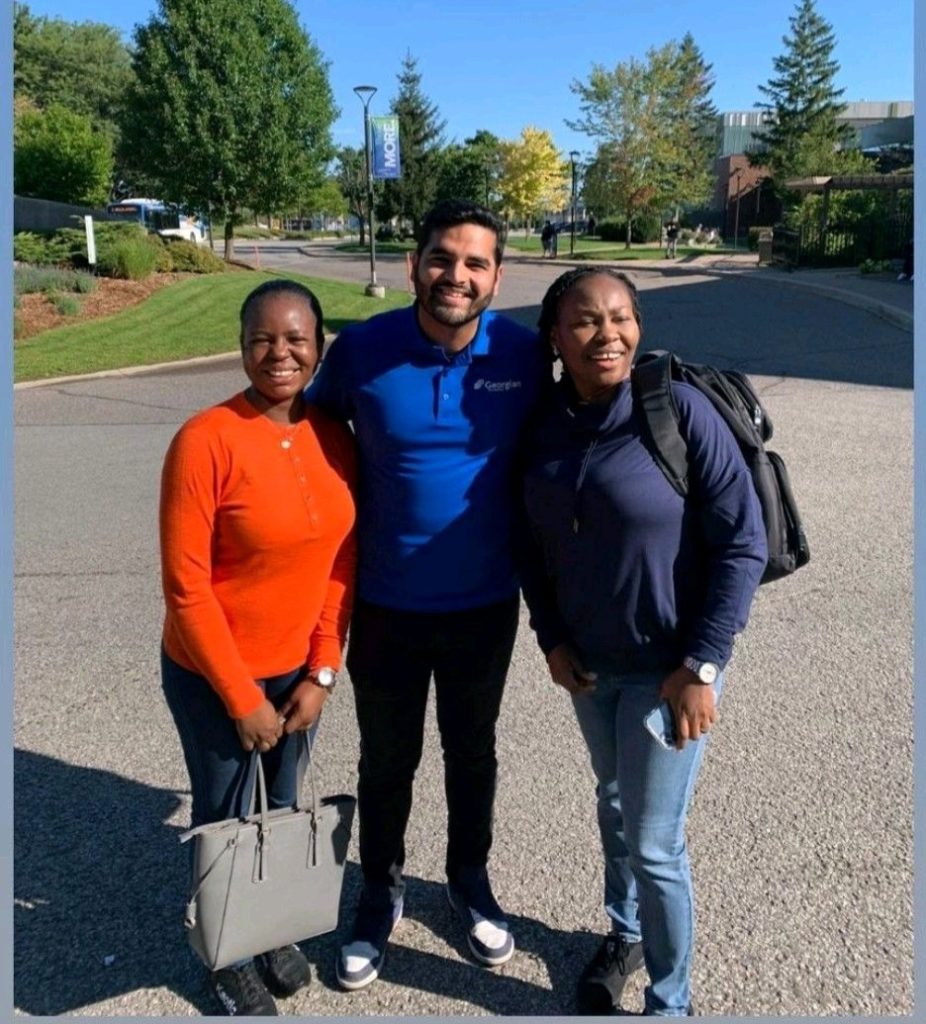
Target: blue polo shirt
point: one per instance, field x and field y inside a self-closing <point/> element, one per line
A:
<point x="437" y="435"/>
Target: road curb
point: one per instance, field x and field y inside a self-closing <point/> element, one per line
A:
<point x="128" y="371"/>
<point x="892" y="314"/>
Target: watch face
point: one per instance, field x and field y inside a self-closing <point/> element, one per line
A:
<point x="325" y="677"/>
<point x="708" y="673"/>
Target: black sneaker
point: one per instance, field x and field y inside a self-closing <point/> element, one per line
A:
<point x="361" y="959"/>
<point x="487" y="931"/>
<point x="285" y="970"/>
<point x="603" y="980"/>
<point x="242" y="993"/>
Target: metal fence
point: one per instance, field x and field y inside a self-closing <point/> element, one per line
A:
<point x="874" y="239"/>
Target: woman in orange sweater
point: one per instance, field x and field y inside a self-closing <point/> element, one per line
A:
<point x="257" y="557"/>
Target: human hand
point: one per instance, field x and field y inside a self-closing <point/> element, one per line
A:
<point x="303" y="706"/>
<point x="261" y="729"/>
<point x="566" y="670"/>
<point x="693" y="704"/>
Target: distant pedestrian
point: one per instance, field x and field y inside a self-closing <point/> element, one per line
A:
<point x="554" y="242"/>
<point x="591" y="225"/>
<point x="547" y="237"/>
<point x="671" y="239"/>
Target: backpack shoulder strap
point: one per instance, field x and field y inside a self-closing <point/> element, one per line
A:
<point x="651" y="381"/>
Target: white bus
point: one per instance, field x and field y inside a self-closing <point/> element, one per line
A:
<point x="162" y="218"/>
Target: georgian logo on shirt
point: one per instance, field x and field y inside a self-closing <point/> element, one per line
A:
<point x="496" y="385"/>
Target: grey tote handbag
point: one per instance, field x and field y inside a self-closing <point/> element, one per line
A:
<point x="270" y="878"/>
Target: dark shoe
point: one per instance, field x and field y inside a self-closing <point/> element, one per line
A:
<point x="487" y="933"/>
<point x="361" y="959"/>
<point x="285" y="970"/>
<point x="603" y="980"/>
<point x="242" y="993"/>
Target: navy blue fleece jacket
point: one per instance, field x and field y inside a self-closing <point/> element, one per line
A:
<point x="616" y="562"/>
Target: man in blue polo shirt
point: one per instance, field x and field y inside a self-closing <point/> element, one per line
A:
<point x="437" y="394"/>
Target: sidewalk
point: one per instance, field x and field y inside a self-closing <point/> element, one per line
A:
<point x="881" y="294"/>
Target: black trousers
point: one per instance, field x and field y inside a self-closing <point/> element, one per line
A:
<point x="391" y="657"/>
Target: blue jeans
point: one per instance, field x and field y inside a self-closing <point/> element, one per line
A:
<point x="643" y="793"/>
<point x="222" y="773"/>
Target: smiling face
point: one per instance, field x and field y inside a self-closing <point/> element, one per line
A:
<point x="455" y="277"/>
<point x="280" y="352"/>
<point x="597" y="334"/>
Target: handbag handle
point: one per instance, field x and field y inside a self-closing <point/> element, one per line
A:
<point x="259" y="789"/>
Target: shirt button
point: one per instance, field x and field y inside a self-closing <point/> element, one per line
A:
<point x="446" y="397"/>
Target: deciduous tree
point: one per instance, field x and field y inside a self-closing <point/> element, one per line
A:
<point x="60" y="155"/>
<point x="351" y="176"/>
<point x="534" y="175"/>
<point x="232" y="108"/>
<point x="84" y="66"/>
<point x="655" y="126"/>
<point x="471" y="170"/>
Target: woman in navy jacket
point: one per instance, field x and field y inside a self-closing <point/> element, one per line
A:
<point x="636" y="595"/>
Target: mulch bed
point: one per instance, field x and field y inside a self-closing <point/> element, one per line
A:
<point x="36" y="312"/>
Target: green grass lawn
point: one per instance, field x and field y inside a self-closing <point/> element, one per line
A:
<point x="195" y="317"/>
<point x="595" y="249"/>
<point x="383" y="247"/>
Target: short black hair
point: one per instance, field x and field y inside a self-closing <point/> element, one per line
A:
<point x="448" y="213"/>
<point x="549" y="307"/>
<point x="283" y="286"/>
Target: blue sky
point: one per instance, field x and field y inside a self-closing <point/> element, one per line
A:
<point x="504" y="65"/>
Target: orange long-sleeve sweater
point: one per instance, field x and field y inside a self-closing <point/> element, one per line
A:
<point x="258" y="551"/>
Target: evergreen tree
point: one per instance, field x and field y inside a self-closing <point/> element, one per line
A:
<point x="802" y="135"/>
<point x="420" y="143"/>
<point x="692" y="119"/>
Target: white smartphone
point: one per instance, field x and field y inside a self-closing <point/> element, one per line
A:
<point x="660" y="724"/>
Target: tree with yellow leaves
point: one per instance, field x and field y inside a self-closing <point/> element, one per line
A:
<point x="534" y="177"/>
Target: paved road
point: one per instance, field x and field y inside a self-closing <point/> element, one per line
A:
<point x="801" y="831"/>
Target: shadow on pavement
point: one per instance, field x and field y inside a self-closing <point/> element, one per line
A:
<point x="813" y="337"/>
<point x="97" y="874"/>
<point x="495" y="991"/>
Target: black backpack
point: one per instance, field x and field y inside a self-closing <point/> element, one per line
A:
<point x="734" y="398"/>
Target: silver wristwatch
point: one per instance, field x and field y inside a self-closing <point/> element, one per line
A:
<point x="325" y="678"/>
<point x="706" y="671"/>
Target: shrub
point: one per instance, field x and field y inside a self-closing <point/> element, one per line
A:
<point x="754" y="233"/>
<point x="51" y="249"/>
<point x="66" y="305"/>
<point x="876" y="266"/>
<point x="196" y="259"/>
<point x="645" y="228"/>
<point x="27" y="280"/>
<point x="132" y="259"/>
<point x="83" y="282"/>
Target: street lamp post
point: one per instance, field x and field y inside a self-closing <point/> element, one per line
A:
<point x="573" y="156"/>
<point x="365" y="94"/>
<point x="736" y="221"/>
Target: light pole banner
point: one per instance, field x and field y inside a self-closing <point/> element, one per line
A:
<point x="385" y="132"/>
